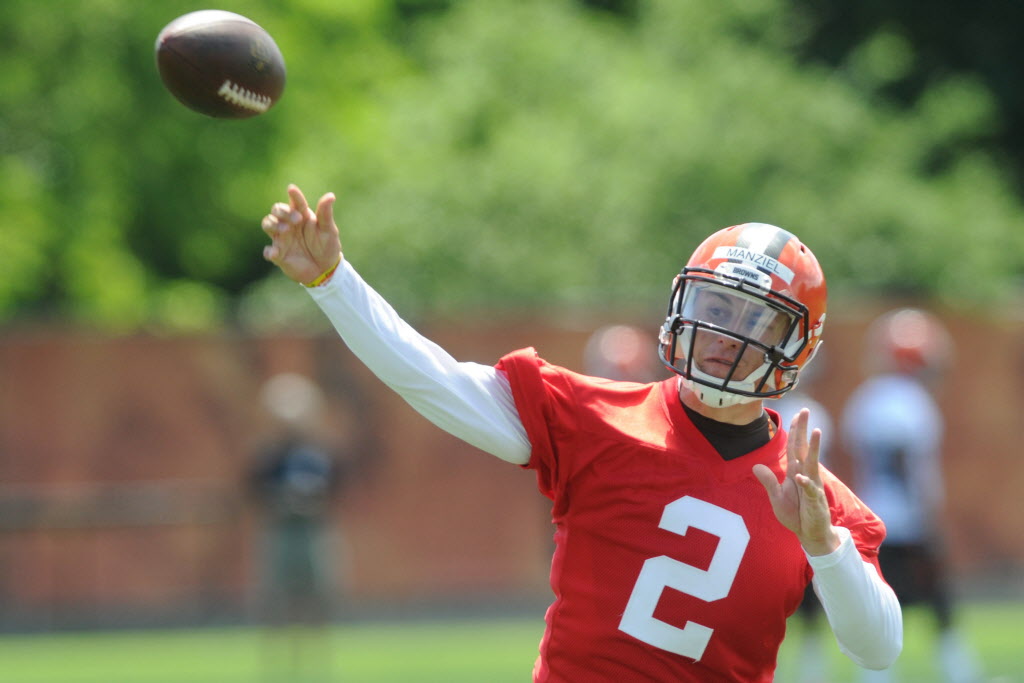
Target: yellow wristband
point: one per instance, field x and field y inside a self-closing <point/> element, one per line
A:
<point x="324" y="276"/>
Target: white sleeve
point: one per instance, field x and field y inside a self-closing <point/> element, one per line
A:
<point x="862" y="609"/>
<point x="469" y="400"/>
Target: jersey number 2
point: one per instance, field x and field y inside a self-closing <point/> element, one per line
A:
<point x="708" y="584"/>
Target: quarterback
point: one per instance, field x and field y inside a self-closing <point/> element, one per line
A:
<point x="688" y="521"/>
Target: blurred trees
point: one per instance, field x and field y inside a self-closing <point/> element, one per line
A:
<point x="937" y="41"/>
<point x="486" y="153"/>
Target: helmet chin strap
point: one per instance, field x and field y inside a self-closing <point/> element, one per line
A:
<point x="715" y="398"/>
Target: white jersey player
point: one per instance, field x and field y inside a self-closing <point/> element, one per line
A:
<point x="892" y="427"/>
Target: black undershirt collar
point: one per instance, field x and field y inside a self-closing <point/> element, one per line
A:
<point x="732" y="441"/>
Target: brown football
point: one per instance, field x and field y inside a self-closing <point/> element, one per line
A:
<point x="220" y="64"/>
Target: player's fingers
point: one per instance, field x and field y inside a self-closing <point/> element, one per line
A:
<point x="284" y="212"/>
<point x="808" y="487"/>
<point x="298" y="200"/>
<point x="798" y="427"/>
<point x="797" y="442"/>
<point x="272" y="226"/>
<point x="325" y="210"/>
<point x="270" y="253"/>
<point x="811" y="460"/>
<point x="767" y="478"/>
<point x="803" y="427"/>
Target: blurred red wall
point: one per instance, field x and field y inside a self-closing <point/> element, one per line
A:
<point x="122" y="462"/>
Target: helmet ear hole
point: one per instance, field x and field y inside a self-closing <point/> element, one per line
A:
<point x="811" y="356"/>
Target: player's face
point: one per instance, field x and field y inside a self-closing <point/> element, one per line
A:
<point x="715" y="353"/>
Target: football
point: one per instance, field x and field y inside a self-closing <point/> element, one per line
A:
<point x="220" y="64"/>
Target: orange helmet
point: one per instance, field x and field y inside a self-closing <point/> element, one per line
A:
<point x="910" y="341"/>
<point x="759" y="287"/>
<point x="620" y="352"/>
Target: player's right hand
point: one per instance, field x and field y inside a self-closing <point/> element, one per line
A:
<point x="304" y="244"/>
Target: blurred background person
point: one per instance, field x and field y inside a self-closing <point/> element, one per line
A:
<point x="623" y="353"/>
<point x="893" y="428"/>
<point x="812" y="658"/>
<point x="293" y="482"/>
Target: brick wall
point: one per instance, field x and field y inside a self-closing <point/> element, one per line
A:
<point x="122" y="462"/>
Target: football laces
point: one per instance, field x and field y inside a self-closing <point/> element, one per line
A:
<point x="243" y="97"/>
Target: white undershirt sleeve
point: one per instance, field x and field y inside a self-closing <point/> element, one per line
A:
<point x="862" y="609"/>
<point x="469" y="400"/>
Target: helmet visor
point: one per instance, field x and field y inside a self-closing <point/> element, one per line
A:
<point x="742" y="316"/>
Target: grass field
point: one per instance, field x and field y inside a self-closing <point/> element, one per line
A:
<point x="451" y="651"/>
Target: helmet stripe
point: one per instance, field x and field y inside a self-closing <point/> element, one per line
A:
<point x="764" y="239"/>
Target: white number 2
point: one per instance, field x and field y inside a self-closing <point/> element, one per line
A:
<point x="710" y="584"/>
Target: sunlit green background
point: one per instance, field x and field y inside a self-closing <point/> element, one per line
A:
<point x="435" y="651"/>
<point x="507" y="152"/>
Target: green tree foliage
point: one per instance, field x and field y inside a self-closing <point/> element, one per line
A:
<point x="127" y="209"/>
<point x="486" y="153"/>
<point x="941" y="38"/>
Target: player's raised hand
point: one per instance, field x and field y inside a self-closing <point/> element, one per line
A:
<point x="304" y="244"/>
<point x="799" y="499"/>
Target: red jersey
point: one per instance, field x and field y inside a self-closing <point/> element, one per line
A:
<point x="669" y="563"/>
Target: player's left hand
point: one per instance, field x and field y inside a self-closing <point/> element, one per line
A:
<point x="799" y="499"/>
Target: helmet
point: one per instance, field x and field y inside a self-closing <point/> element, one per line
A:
<point x="910" y="341"/>
<point x="620" y="352"/>
<point x="757" y="292"/>
<point x="292" y="398"/>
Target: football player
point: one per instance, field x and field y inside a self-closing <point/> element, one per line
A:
<point x="898" y="468"/>
<point x="688" y="523"/>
